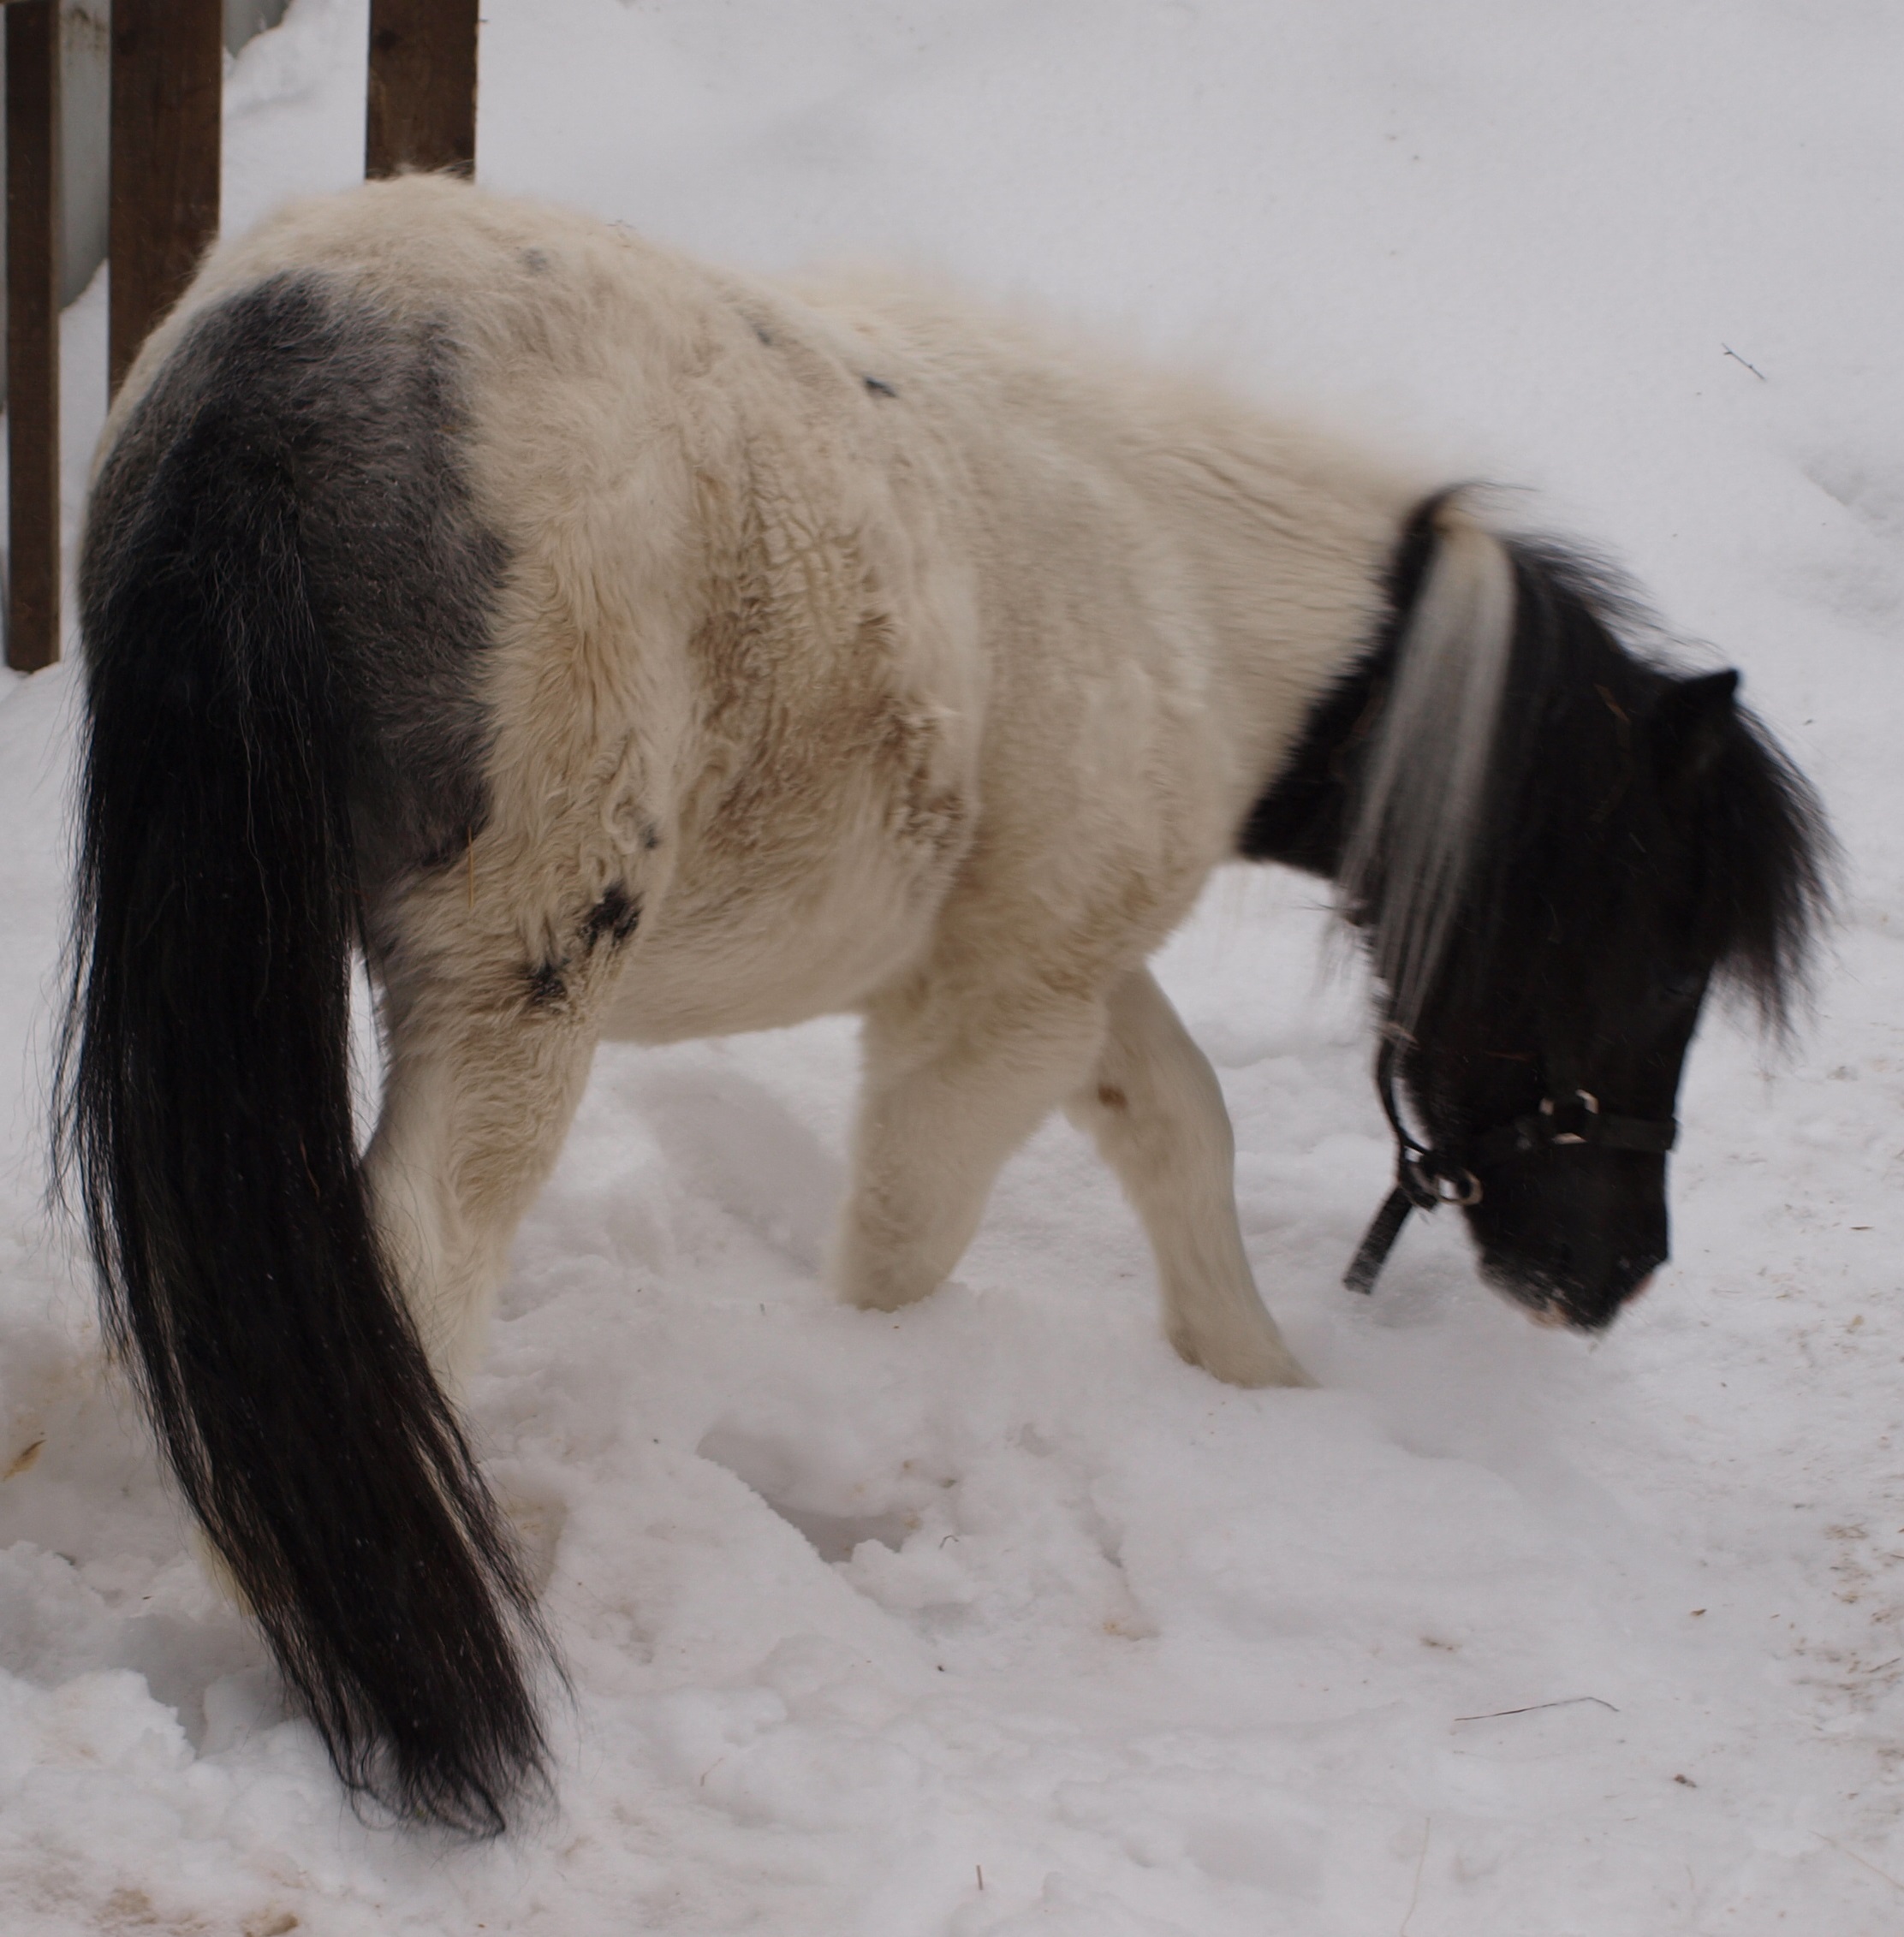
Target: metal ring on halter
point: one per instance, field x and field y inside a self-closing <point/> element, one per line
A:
<point x="1463" y="1188"/>
<point x="1422" y="1179"/>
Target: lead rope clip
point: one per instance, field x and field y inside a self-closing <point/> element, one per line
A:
<point x="1424" y="1178"/>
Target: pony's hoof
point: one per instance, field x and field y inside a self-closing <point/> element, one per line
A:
<point x="885" y="1295"/>
<point x="871" y="1282"/>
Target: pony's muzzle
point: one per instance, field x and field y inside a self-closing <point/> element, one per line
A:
<point x="1552" y="1295"/>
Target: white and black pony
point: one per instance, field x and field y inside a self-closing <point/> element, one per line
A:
<point x="603" y="645"/>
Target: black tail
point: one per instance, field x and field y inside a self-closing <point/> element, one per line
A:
<point x="205" y="1105"/>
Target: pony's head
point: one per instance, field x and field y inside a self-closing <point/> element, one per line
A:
<point x="1555" y="850"/>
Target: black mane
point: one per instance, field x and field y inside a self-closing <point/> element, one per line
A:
<point x="1570" y="798"/>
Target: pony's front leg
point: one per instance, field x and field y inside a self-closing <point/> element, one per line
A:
<point x="484" y="1071"/>
<point x="946" y="1099"/>
<point x="1154" y="1106"/>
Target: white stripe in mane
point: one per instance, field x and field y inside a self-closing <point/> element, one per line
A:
<point x="1414" y="832"/>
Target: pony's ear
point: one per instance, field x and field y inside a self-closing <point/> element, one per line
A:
<point x="1691" y="726"/>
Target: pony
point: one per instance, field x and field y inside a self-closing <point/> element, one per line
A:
<point x="594" y="643"/>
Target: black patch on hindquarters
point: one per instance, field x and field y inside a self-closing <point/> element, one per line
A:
<point x="359" y="415"/>
<point x="878" y="388"/>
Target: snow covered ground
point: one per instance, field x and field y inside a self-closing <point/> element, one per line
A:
<point x="994" y="1618"/>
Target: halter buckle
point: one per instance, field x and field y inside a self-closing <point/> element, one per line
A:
<point x="1581" y="1105"/>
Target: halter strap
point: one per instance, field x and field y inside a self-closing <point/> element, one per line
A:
<point x="1425" y="1177"/>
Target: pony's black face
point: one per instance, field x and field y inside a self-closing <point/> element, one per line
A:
<point x="1575" y="1024"/>
<point x="1569" y="1230"/>
<point x="1547" y="1061"/>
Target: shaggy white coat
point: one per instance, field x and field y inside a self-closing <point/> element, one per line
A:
<point x="937" y="705"/>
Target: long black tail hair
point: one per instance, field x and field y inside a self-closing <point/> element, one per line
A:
<point x="205" y="1101"/>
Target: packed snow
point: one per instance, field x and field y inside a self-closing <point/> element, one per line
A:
<point x="993" y="1619"/>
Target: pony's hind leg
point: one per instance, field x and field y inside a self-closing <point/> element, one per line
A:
<point x="1155" y="1108"/>
<point x="486" y="1059"/>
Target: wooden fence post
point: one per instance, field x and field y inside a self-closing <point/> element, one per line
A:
<point x="421" y="111"/>
<point x="32" y="335"/>
<point x="168" y="87"/>
<point x="167" y="76"/>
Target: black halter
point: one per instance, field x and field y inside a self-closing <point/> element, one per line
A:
<point x="1425" y="1177"/>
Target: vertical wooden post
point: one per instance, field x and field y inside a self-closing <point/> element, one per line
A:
<point x="422" y="106"/>
<point x="32" y="335"/>
<point x="168" y="84"/>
